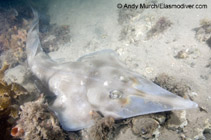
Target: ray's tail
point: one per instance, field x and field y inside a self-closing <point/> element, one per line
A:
<point x="33" y="45"/>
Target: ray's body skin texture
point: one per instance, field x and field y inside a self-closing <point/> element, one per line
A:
<point x="96" y="82"/>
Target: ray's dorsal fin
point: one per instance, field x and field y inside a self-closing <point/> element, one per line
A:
<point x="94" y="54"/>
<point x="106" y="57"/>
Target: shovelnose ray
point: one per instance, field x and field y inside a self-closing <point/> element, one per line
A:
<point x="96" y="82"/>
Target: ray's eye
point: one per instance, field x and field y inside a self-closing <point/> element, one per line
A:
<point x="115" y="94"/>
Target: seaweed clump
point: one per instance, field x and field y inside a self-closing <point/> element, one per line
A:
<point x="128" y="19"/>
<point x="9" y="103"/>
<point x="37" y="122"/>
<point x="13" y="31"/>
<point x="160" y="26"/>
<point x="9" y="93"/>
<point x="54" y="37"/>
<point x="171" y="84"/>
<point x="203" y="33"/>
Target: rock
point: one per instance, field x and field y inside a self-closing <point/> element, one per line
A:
<point x="209" y="42"/>
<point x="144" y="126"/>
<point x="160" y="117"/>
<point x="12" y="76"/>
<point x="102" y="130"/>
<point x="205" y="132"/>
<point x="127" y="134"/>
<point x="177" y="120"/>
<point x="182" y="54"/>
<point x="167" y="134"/>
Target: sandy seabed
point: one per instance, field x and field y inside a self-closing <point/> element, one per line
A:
<point x="152" y="42"/>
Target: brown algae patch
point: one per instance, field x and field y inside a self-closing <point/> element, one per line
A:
<point x="160" y="26"/>
<point x="9" y="93"/>
<point x="9" y="103"/>
<point x="172" y="85"/>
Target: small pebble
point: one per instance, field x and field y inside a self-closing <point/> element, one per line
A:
<point x="182" y="54"/>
